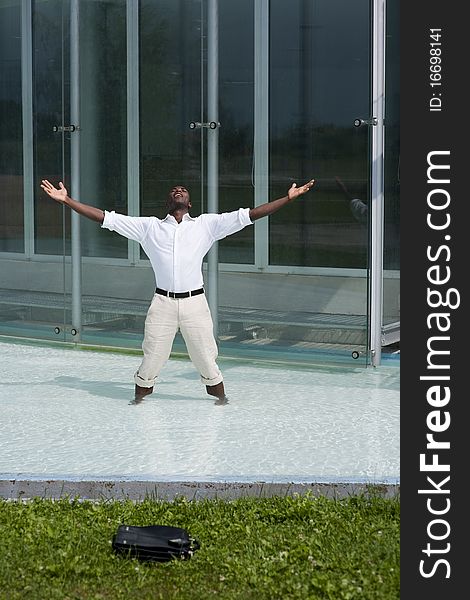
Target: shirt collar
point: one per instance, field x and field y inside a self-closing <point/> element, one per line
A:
<point x="186" y="217"/>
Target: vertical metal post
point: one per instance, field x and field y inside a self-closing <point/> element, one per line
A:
<point x="213" y="153"/>
<point x="27" y="119"/>
<point x="261" y="127"/>
<point x="377" y="175"/>
<point x="76" y="252"/>
<point x="133" y="150"/>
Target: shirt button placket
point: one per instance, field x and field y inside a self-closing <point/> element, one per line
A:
<point x="176" y="260"/>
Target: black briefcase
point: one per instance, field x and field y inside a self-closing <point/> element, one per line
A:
<point x="158" y="543"/>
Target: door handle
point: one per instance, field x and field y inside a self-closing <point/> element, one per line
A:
<point x="61" y="128"/>
<point x="209" y="125"/>
<point x="361" y="122"/>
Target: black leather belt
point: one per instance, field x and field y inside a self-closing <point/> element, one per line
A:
<point x="179" y="294"/>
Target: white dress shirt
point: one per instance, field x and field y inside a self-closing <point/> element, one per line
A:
<point x="176" y="250"/>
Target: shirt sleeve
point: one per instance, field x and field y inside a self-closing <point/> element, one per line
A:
<point x="225" y="224"/>
<point x="133" y="228"/>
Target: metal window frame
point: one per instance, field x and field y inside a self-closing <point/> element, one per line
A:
<point x="133" y="121"/>
<point x="261" y="128"/>
<point x="213" y="153"/>
<point x="27" y="122"/>
<point x="377" y="181"/>
<point x="75" y="240"/>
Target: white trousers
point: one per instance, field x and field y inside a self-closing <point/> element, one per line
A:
<point x="193" y="318"/>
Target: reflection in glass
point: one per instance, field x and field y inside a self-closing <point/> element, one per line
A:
<point x="50" y="109"/>
<point x="236" y="112"/>
<point x="391" y="304"/>
<point x="170" y="91"/>
<point x="319" y="84"/>
<point x="11" y="156"/>
<point x="102" y="124"/>
<point x="173" y="84"/>
<point x="392" y="140"/>
<point x="103" y="119"/>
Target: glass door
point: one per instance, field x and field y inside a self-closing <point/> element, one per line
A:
<point x="36" y="271"/>
<point x="171" y="103"/>
<point x="52" y="133"/>
<point x="295" y="104"/>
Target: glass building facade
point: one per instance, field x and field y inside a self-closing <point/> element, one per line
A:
<point x="122" y="100"/>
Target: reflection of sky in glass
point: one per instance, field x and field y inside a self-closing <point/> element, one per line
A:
<point x="10" y="52"/>
<point x="330" y="41"/>
<point x="334" y="32"/>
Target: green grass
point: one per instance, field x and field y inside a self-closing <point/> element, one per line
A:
<point x="298" y="547"/>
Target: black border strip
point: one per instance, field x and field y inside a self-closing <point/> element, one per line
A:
<point x="433" y="271"/>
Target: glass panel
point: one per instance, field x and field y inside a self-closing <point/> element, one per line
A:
<point x="51" y="104"/>
<point x="391" y="309"/>
<point x="236" y="113"/>
<point x="51" y="151"/>
<point x="36" y="289"/>
<point x="12" y="308"/>
<point x="107" y="317"/>
<point x="170" y="79"/>
<point x="172" y="91"/>
<point x="11" y="143"/>
<point x="103" y="105"/>
<point x="319" y="84"/>
<point x="392" y="139"/>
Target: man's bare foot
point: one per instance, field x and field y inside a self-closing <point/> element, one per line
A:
<point x="140" y="392"/>
<point x="219" y="392"/>
<point x="216" y="390"/>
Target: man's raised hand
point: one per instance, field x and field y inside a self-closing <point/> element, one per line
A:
<point x="59" y="195"/>
<point x="295" y="191"/>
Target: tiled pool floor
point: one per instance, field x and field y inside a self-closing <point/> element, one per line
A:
<point x="66" y="413"/>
